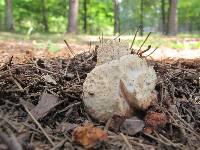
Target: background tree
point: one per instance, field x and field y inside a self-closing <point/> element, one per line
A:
<point x="141" y="17"/>
<point x="73" y="16"/>
<point x="9" y="15"/>
<point x="163" y="17"/>
<point x="172" y="22"/>
<point x="116" y="17"/>
<point x="97" y="16"/>
<point x="85" y="15"/>
<point x="44" y="16"/>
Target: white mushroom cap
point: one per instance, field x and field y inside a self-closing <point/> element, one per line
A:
<point x="111" y="50"/>
<point x="119" y="86"/>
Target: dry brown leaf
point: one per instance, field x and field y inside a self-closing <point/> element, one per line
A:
<point x="155" y="119"/>
<point x="132" y="126"/>
<point x="89" y="136"/>
<point x="46" y="103"/>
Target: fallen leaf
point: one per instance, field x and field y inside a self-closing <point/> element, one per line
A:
<point x="116" y="122"/>
<point x="89" y="136"/>
<point x="155" y="119"/>
<point x="132" y="126"/>
<point x="49" y="79"/>
<point x="46" y="103"/>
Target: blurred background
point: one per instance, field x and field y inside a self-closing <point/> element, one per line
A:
<point x="45" y="23"/>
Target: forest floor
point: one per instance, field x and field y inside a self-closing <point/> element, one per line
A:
<point x="52" y="45"/>
<point x="41" y="68"/>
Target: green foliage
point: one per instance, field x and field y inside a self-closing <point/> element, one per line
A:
<point x="130" y="15"/>
<point x="100" y="17"/>
<point x="1" y="14"/>
<point x="28" y="14"/>
<point x="189" y="14"/>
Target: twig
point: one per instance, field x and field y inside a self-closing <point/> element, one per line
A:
<point x="151" y="52"/>
<point x="148" y="48"/>
<point x="68" y="107"/>
<point x="61" y="143"/>
<point x="27" y="65"/>
<point x="156" y="139"/>
<point x="143" y="42"/>
<point x="177" y="145"/>
<point x="69" y="48"/>
<point x="15" y="81"/>
<point x="38" y="131"/>
<point x="38" y="124"/>
<point x="126" y="141"/>
<point x="135" y="36"/>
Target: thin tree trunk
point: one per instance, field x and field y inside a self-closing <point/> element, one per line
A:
<point x="9" y="15"/>
<point x="163" y="17"/>
<point x="141" y="17"/>
<point x="85" y="16"/>
<point x="73" y="14"/>
<point x="172" y="22"/>
<point x="116" y="17"/>
<point x="44" y="16"/>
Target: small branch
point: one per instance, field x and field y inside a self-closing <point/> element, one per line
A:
<point x="151" y="52"/>
<point x="59" y="145"/>
<point x="135" y="36"/>
<point x="126" y="141"/>
<point x="69" y="48"/>
<point x="144" y="42"/>
<point x="15" y="81"/>
<point x="148" y="48"/>
<point x="38" y="124"/>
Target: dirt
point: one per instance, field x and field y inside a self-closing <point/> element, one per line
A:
<point x="23" y="87"/>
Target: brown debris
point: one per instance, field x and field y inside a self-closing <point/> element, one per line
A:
<point x="22" y="84"/>
<point x="132" y="126"/>
<point x="155" y="119"/>
<point x="46" y="103"/>
<point x="89" y="136"/>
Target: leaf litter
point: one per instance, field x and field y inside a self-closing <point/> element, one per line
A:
<point x="41" y="107"/>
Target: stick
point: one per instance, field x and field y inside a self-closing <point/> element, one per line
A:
<point x="126" y="141"/>
<point x="38" y="124"/>
<point x="135" y="36"/>
<point x="70" y="49"/>
<point x="151" y="52"/>
<point x="144" y="42"/>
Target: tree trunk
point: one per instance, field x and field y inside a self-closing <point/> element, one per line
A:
<point x="9" y="15"/>
<point x="85" y="16"/>
<point x="73" y="14"/>
<point x="172" y="22"/>
<point x="44" y="16"/>
<point x="116" y="17"/>
<point x="163" y="28"/>
<point x="141" y="17"/>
